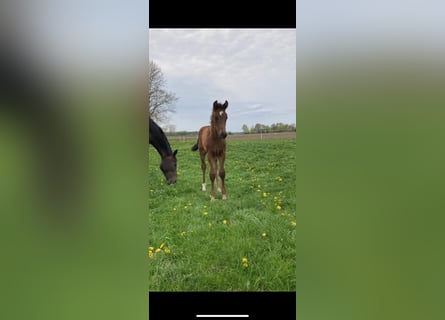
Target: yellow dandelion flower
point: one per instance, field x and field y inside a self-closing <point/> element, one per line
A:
<point x="244" y="260"/>
<point x="245" y="265"/>
<point x="157" y="250"/>
<point x="264" y="234"/>
<point x="174" y="209"/>
<point x="205" y="214"/>
<point x="224" y="221"/>
<point x="151" y="248"/>
<point x="264" y="194"/>
<point x="210" y="225"/>
<point x="150" y="254"/>
<point x="167" y="251"/>
<point x="162" y="245"/>
<point x="278" y="207"/>
<point x="183" y="233"/>
<point x="293" y="223"/>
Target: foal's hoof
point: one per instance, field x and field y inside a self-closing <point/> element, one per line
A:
<point x="224" y="197"/>
<point x="219" y="190"/>
<point x="212" y="198"/>
<point x="203" y="187"/>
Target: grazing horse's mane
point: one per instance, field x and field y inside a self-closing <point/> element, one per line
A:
<point x="159" y="141"/>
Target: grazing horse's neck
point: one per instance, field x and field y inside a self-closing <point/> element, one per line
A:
<point x="159" y="140"/>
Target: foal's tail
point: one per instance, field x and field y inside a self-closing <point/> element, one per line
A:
<point x="195" y="147"/>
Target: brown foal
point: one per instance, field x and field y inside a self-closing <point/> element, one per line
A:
<point x="212" y="142"/>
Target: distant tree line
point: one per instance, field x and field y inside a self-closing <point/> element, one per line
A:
<point x="264" y="128"/>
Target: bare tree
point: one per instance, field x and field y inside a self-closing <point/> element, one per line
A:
<point x="160" y="101"/>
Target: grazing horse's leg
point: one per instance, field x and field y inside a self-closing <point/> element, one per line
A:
<point x="213" y="171"/>
<point x="222" y="175"/>
<point x="202" y="154"/>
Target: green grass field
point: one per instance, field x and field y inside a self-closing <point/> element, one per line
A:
<point x="246" y="243"/>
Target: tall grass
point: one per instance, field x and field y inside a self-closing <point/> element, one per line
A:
<point x="246" y="243"/>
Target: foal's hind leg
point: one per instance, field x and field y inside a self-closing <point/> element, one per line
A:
<point x="202" y="154"/>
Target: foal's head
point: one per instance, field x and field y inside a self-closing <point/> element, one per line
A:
<point x="219" y="118"/>
<point x="168" y="167"/>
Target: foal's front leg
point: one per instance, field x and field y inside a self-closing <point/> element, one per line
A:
<point x="213" y="171"/>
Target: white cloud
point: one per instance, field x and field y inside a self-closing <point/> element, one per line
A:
<point x="245" y="66"/>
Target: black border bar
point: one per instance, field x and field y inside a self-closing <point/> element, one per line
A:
<point x="257" y="305"/>
<point x="222" y="14"/>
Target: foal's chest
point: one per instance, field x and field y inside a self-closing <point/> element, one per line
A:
<point x="218" y="149"/>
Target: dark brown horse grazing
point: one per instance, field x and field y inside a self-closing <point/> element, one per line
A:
<point x="212" y="142"/>
<point x="168" y="158"/>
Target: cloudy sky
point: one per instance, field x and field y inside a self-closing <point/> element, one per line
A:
<point x="253" y="69"/>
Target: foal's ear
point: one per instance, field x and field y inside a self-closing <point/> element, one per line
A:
<point x="225" y="105"/>
<point x="175" y="152"/>
<point x="215" y="104"/>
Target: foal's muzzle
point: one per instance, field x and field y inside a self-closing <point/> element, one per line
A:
<point x="223" y="135"/>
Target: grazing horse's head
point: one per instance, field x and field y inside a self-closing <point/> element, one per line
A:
<point x="168" y="167"/>
<point x="219" y="119"/>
